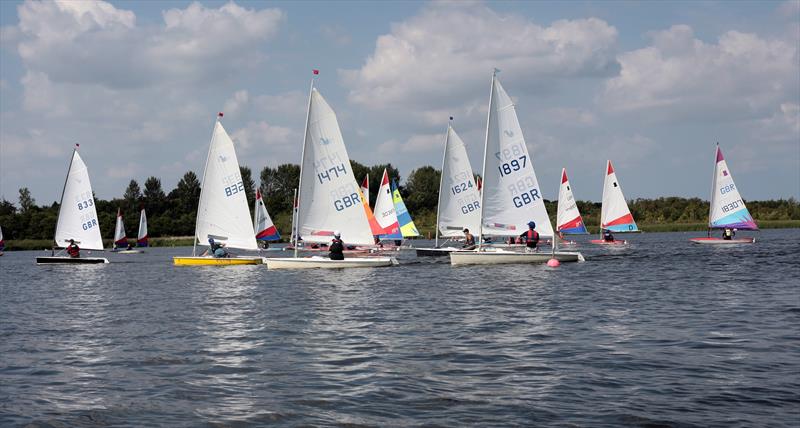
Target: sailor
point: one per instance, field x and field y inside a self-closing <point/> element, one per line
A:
<point x="531" y="236"/>
<point x="607" y="236"/>
<point x="469" y="240"/>
<point x="217" y="250"/>
<point x="728" y="233"/>
<point x="73" y="249"/>
<point x="336" y="248"/>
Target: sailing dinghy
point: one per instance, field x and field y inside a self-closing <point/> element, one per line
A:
<point x="727" y="210"/>
<point x="262" y="224"/>
<point x="222" y="213"/>
<point x="459" y="203"/>
<point x="330" y="199"/>
<point x="385" y="212"/>
<point x="568" y="218"/>
<point x="142" y="237"/>
<point x="120" y="245"/>
<point x="2" y="242"/>
<point x="77" y="216"/>
<point x="407" y="227"/>
<point x="614" y="213"/>
<point x="510" y="196"/>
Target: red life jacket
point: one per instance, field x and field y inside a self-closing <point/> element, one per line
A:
<point x="73" y="251"/>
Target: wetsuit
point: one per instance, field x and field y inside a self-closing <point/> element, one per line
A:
<point x="336" y="249"/>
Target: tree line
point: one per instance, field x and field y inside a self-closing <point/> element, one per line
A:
<point x="173" y="213"/>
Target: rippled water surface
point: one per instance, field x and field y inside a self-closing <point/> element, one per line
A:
<point x="663" y="332"/>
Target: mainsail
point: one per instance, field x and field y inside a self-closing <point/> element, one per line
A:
<point x="263" y="226"/>
<point x="727" y="207"/>
<point x="568" y="218"/>
<point x="77" y="216"/>
<point x="222" y="213"/>
<point x="459" y="198"/>
<point x="330" y="199"/>
<point x="120" y="240"/>
<point x="511" y="194"/>
<point x="407" y="227"/>
<point x="385" y="211"/>
<point x="142" y="237"/>
<point x="615" y="215"/>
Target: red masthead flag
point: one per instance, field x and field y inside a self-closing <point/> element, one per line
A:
<point x="315" y="71"/>
<point x="220" y="114"/>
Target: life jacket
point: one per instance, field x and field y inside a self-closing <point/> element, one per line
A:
<point x="73" y="250"/>
<point x="533" y="237"/>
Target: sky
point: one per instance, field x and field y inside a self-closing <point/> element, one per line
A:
<point x="652" y="86"/>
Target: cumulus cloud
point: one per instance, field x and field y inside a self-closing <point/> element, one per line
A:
<point x="679" y="75"/>
<point x="443" y="57"/>
<point x="94" y="42"/>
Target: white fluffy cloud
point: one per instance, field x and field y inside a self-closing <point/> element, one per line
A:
<point x="443" y="57"/>
<point x="680" y="76"/>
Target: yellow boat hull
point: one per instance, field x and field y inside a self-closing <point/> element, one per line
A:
<point x="213" y="261"/>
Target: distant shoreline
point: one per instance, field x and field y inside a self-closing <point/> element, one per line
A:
<point x="184" y="241"/>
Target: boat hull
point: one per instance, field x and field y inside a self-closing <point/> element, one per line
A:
<point x="508" y="257"/>
<point x="440" y="252"/>
<point x="720" y="241"/>
<point x="70" y="261"/>
<point x="604" y="242"/>
<point x="326" y="263"/>
<point x="214" y="261"/>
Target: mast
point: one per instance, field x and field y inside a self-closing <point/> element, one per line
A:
<point x="713" y="185"/>
<point x="64" y="189"/>
<point x="294" y="213"/>
<point x="303" y="159"/>
<point x="441" y="180"/>
<point x="485" y="148"/>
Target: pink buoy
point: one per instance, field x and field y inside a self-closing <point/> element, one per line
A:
<point x="553" y="263"/>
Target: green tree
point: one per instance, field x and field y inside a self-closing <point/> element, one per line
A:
<point x="133" y="195"/>
<point x="422" y="189"/>
<point x="154" y="198"/>
<point x="186" y="196"/>
<point x="26" y="201"/>
<point x="278" y="185"/>
<point x="249" y="185"/>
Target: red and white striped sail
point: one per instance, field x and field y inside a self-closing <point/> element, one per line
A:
<point x="568" y="219"/>
<point x="385" y="212"/>
<point x="262" y="224"/>
<point x="120" y="240"/>
<point x="615" y="215"/>
<point x="142" y="237"/>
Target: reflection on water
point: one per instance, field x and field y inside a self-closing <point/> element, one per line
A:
<point x="661" y="332"/>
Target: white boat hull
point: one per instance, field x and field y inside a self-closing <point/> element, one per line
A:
<point x="507" y="257"/>
<point x="127" y="251"/>
<point x="440" y="252"/>
<point x="51" y="260"/>
<point x="326" y="263"/>
<point x="720" y="241"/>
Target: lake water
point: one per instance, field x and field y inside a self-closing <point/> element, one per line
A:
<point x="662" y="333"/>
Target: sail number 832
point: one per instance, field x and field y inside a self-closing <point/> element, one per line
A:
<point x="234" y="189"/>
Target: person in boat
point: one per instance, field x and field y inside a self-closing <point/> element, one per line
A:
<point x="217" y="249"/>
<point x="130" y="247"/>
<point x="73" y="249"/>
<point x="728" y="234"/>
<point x="336" y="249"/>
<point x="530" y="236"/>
<point x="607" y="236"/>
<point x="469" y="240"/>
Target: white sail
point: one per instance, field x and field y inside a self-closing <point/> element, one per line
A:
<point x="329" y="195"/>
<point x="142" y="237"/>
<point x="120" y="239"/>
<point x="568" y="218"/>
<point x="615" y="215"/>
<point x="727" y="206"/>
<point x="77" y="216"/>
<point x="262" y="223"/>
<point x="511" y="193"/>
<point x="223" y="213"/>
<point x="385" y="212"/>
<point x="459" y="199"/>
